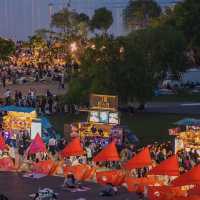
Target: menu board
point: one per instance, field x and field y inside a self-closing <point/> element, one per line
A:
<point x="113" y="118"/>
<point x="103" y="117"/>
<point x="103" y="102"/>
<point x="94" y="116"/>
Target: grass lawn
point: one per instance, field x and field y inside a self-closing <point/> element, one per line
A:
<point x="177" y="98"/>
<point x="149" y="127"/>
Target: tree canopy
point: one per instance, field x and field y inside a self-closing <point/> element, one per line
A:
<point x="139" y="12"/>
<point x="7" y="48"/>
<point x="101" y="20"/>
<point x="133" y="73"/>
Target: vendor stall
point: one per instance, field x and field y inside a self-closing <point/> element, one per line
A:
<point x="187" y="136"/>
<point x="18" y="118"/>
<point x="103" y="124"/>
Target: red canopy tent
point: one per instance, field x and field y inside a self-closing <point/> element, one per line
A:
<point x="6" y="164"/>
<point x="168" y="167"/>
<point x="140" y="160"/>
<point x="74" y="148"/>
<point x="191" y="177"/>
<point x="2" y="143"/>
<point x="43" y="167"/>
<point x="116" y="177"/>
<point x="109" y="153"/>
<point x="37" y="145"/>
<point x="194" y="191"/>
<point x="165" y="193"/>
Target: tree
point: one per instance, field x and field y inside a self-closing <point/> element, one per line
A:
<point x="138" y="13"/>
<point x="185" y="17"/>
<point x="101" y="20"/>
<point x="131" y="66"/>
<point x="70" y="22"/>
<point x="99" y="69"/>
<point x="7" y="48"/>
<point x="148" y="54"/>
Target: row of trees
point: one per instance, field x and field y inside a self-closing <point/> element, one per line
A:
<point x="130" y="66"/>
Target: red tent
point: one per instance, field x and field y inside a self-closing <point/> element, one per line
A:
<point x="109" y="153"/>
<point x="194" y="191"/>
<point x="74" y="148"/>
<point x="116" y="177"/>
<point x="6" y="164"/>
<point x="37" y="145"/>
<point x="165" y="193"/>
<point x="191" y="177"/>
<point x="168" y="167"/>
<point x="43" y="167"/>
<point x="140" y="160"/>
<point x="2" y="143"/>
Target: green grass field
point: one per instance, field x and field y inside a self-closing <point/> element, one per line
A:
<point x="178" y="98"/>
<point x="149" y="127"/>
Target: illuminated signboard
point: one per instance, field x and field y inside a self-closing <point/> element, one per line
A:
<point x="103" y="102"/>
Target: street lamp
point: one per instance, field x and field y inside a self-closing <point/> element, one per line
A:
<point x="73" y="47"/>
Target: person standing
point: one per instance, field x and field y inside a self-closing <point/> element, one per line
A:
<point x="52" y="145"/>
<point x="7" y="95"/>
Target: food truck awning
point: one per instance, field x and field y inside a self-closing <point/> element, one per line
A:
<point x="188" y="122"/>
<point x="17" y="109"/>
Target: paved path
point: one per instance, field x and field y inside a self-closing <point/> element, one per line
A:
<point x="175" y="107"/>
<point x="40" y="88"/>
<point x="15" y="187"/>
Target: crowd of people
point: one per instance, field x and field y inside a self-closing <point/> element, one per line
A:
<point x="28" y="65"/>
<point x="47" y="104"/>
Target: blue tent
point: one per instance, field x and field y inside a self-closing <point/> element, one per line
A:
<point x="45" y="123"/>
<point x="16" y="109"/>
<point x="188" y="122"/>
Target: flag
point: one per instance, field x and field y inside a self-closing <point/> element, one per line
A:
<point x="109" y="153"/>
<point x="168" y="167"/>
<point x="140" y="160"/>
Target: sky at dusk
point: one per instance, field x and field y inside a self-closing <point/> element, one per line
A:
<point x="20" y="18"/>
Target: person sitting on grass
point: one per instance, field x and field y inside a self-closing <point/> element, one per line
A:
<point x="70" y="181"/>
<point x="109" y="190"/>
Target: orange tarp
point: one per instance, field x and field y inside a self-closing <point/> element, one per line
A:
<point x="191" y="177"/>
<point x="109" y="153"/>
<point x="6" y="164"/>
<point x="74" y="148"/>
<point x="37" y="145"/>
<point x="89" y="174"/>
<point x="43" y="167"/>
<point x="116" y="177"/>
<point x="137" y="184"/>
<point x="168" y="167"/>
<point x="140" y="160"/>
<point x="165" y="193"/>
<point x="2" y="143"/>
<point x="81" y="172"/>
